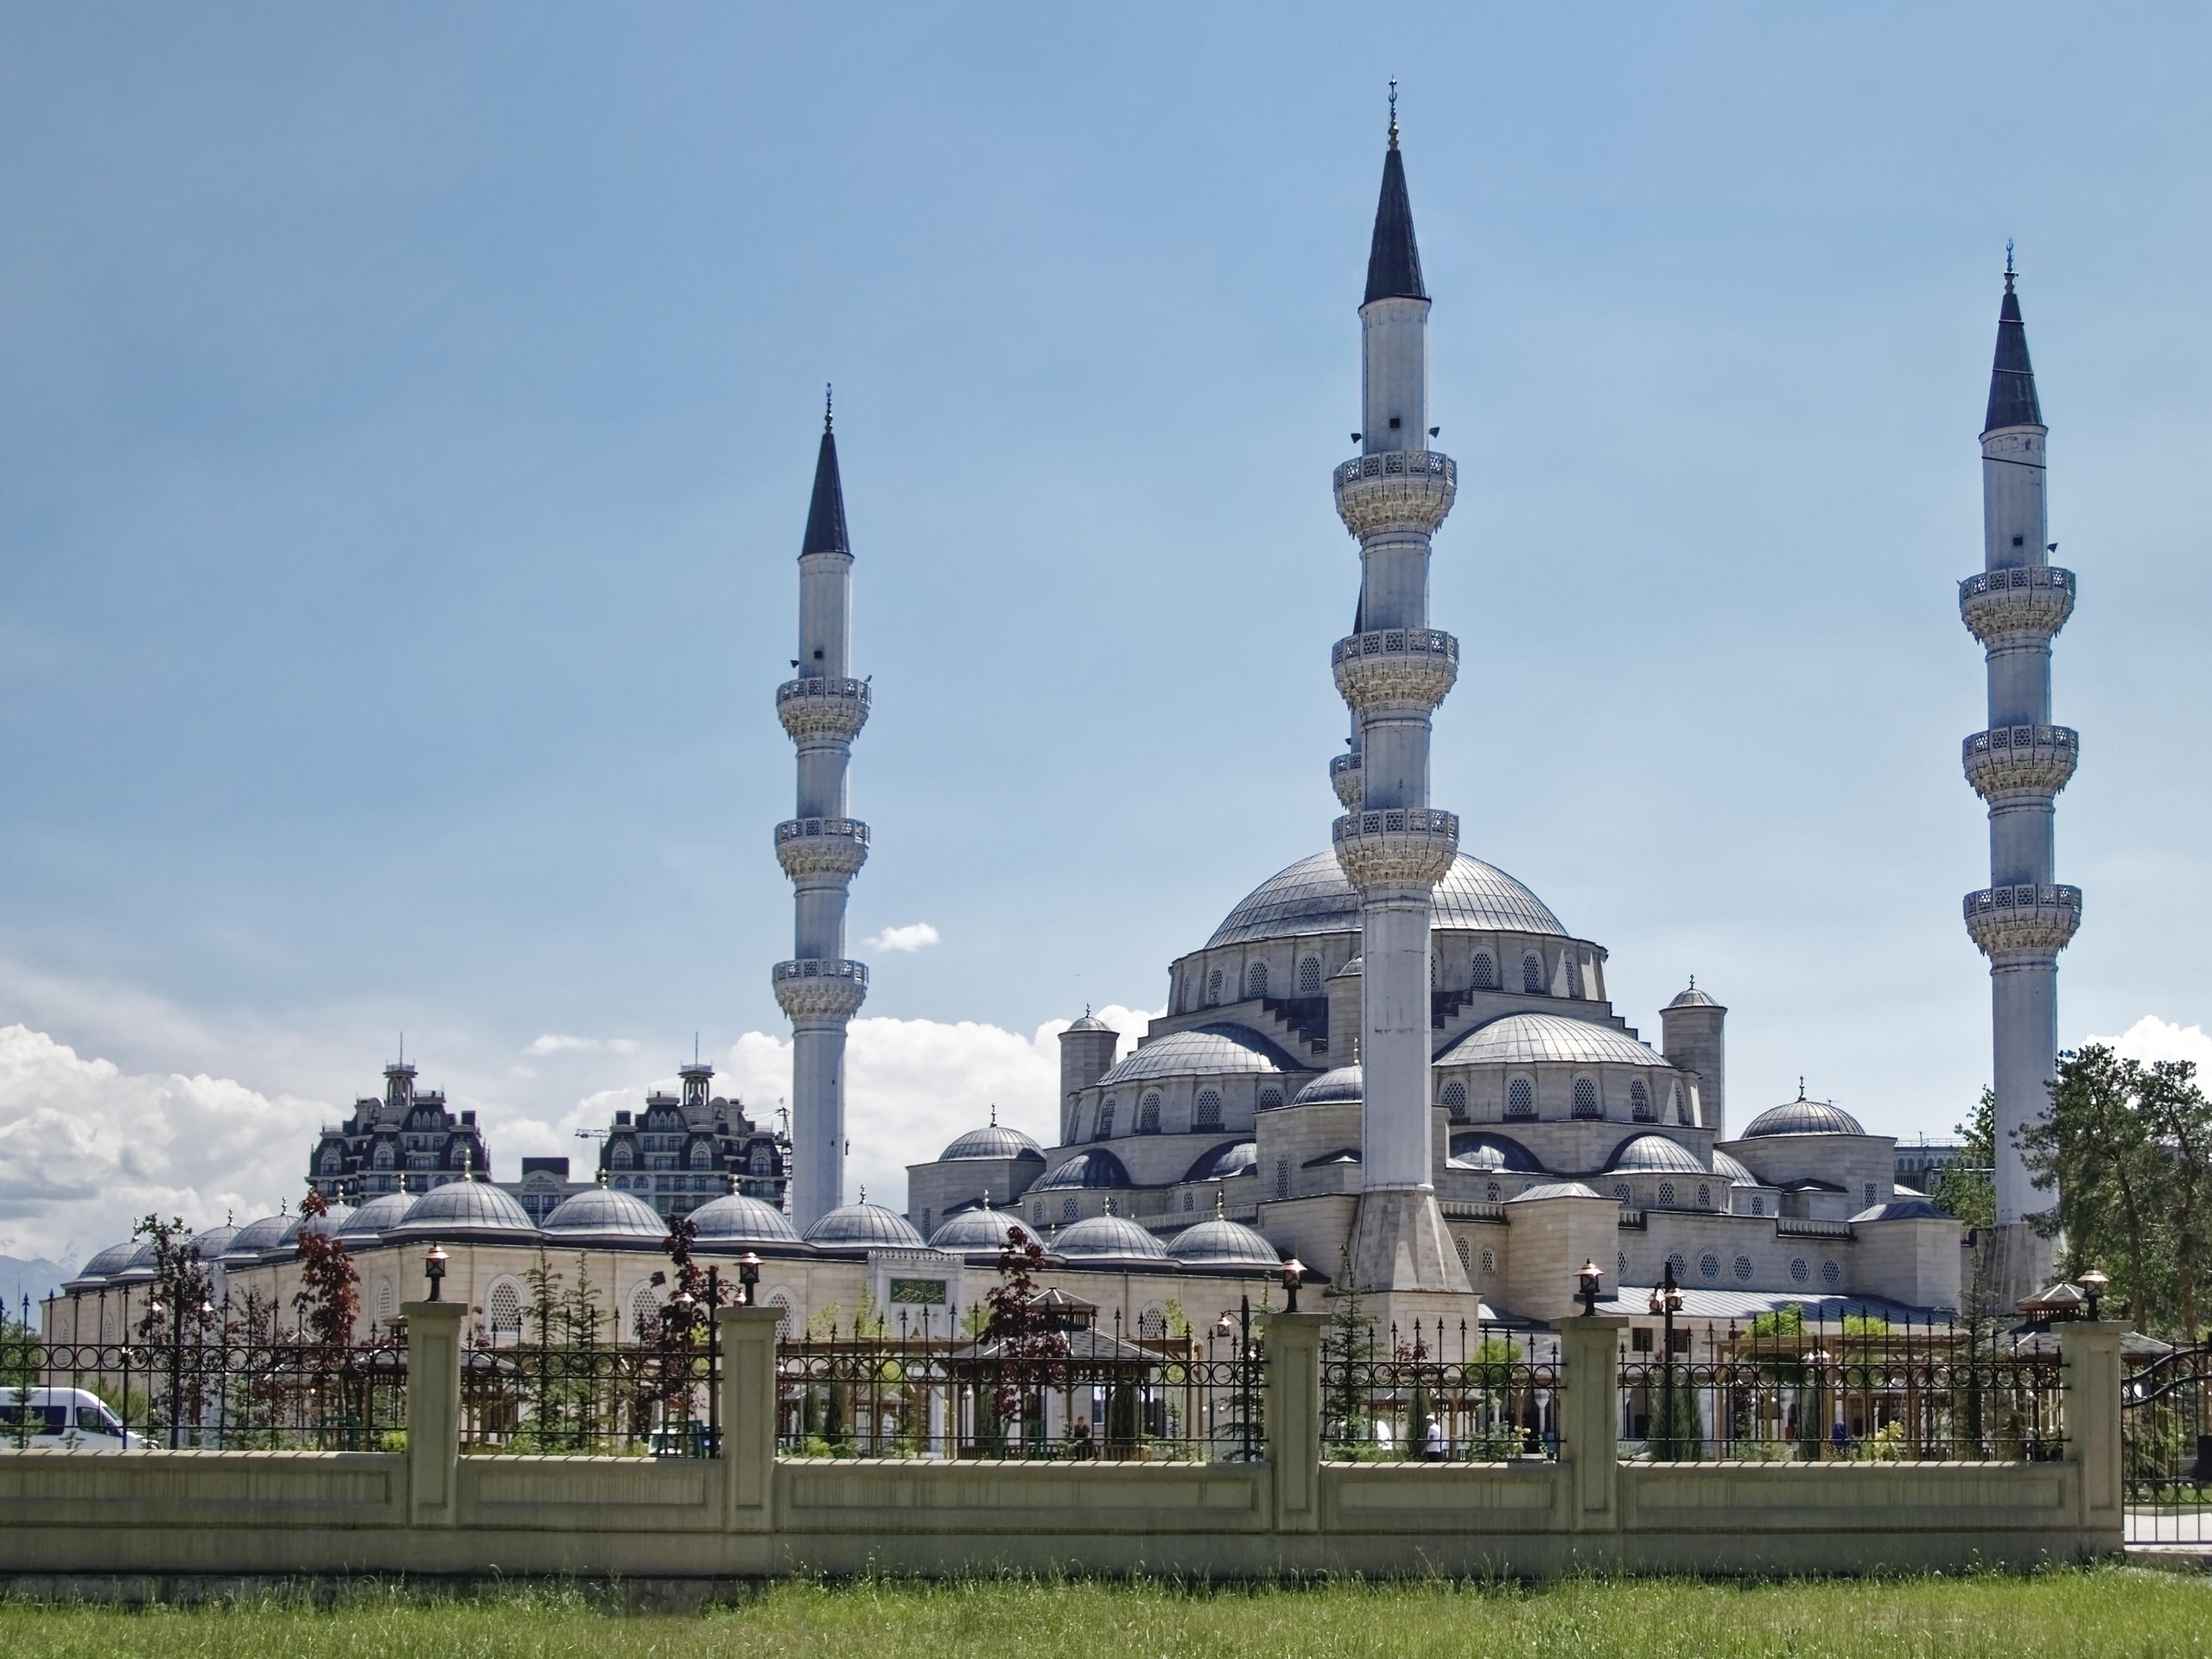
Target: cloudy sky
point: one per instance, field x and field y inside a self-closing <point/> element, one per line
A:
<point x="405" y="421"/>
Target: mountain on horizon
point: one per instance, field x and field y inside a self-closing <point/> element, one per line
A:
<point x="37" y="1279"/>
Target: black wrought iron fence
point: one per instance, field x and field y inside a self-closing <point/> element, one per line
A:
<point x="2166" y="1444"/>
<point x="1469" y="1392"/>
<point x="1859" y="1388"/>
<point x="1067" y="1396"/>
<point x="605" y="1399"/>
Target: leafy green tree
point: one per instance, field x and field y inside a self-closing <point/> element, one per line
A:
<point x="1968" y="1189"/>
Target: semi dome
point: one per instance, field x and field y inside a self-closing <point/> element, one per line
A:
<point x="1802" y="1116"/>
<point x="603" y="1213"/>
<point x="373" y="1219"/>
<point x="1238" y="1157"/>
<point x="1653" y="1155"/>
<point x="256" y="1239"/>
<point x="1208" y="1049"/>
<point x="109" y="1262"/>
<point x="465" y="1209"/>
<point x="1086" y="1170"/>
<point x="993" y="1141"/>
<point x="1220" y="1243"/>
<point x="735" y="1219"/>
<point x="863" y="1227"/>
<point x="1312" y="896"/>
<point x="1346" y="1085"/>
<point x="973" y="1232"/>
<point x="324" y="1225"/>
<point x="1107" y="1238"/>
<point x="1738" y="1173"/>
<point x="1481" y="1150"/>
<point x="1534" y="1039"/>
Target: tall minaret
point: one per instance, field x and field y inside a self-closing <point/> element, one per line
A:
<point x="821" y="849"/>
<point x="1393" y="672"/>
<point x="2022" y="919"/>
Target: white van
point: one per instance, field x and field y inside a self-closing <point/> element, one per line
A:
<point x="75" y="1419"/>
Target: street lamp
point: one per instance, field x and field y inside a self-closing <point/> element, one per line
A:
<point x="2093" y="1286"/>
<point x="434" y="1269"/>
<point x="1292" y="1271"/>
<point x="1588" y="1283"/>
<point x="748" y="1277"/>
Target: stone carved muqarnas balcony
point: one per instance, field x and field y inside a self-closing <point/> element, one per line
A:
<point x="834" y="847"/>
<point x="1401" y="490"/>
<point x="822" y="708"/>
<point x="1400" y="847"/>
<point x="1403" y="668"/>
<point x="1344" y="778"/>
<point x="2009" y="758"/>
<point x="2034" y="599"/>
<point x="820" y="987"/>
<point x="2026" y="917"/>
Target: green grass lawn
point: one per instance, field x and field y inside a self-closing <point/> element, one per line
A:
<point x="2106" y="1611"/>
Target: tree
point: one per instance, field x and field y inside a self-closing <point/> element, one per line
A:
<point x="329" y="1301"/>
<point x="1025" y="1346"/>
<point x="1968" y="1189"/>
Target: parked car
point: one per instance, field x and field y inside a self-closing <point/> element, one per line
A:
<point x="74" y="1419"/>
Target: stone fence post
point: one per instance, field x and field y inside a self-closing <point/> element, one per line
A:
<point x="1589" y="1419"/>
<point x="433" y="1411"/>
<point x="1293" y="1418"/>
<point x="746" y="1337"/>
<point x="2090" y="1354"/>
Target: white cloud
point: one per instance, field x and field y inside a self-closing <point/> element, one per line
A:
<point x="554" y="1042"/>
<point x="2153" y="1039"/>
<point x="915" y="935"/>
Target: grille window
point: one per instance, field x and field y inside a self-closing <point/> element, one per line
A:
<point x="1309" y="977"/>
<point x="1798" y="1269"/>
<point x="1213" y="986"/>
<point x="1283" y="1177"/>
<point x="1666" y="1195"/>
<point x="1465" y="1255"/>
<point x="1270" y="1098"/>
<point x="1148" y="1115"/>
<point x="1621" y="1192"/>
<point x="1521" y="1098"/>
<point x="1585" y="1097"/>
<point x="1830" y="1273"/>
<point x="1744" y="1269"/>
<point x="1639" y="1102"/>
<point x="1486" y="972"/>
<point x="1106" y="1121"/>
<point x="1208" y="1116"/>
<point x="1256" y="982"/>
<point x="504" y="1307"/>
<point x="1704" y="1197"/>
<point x="1532" y="975"/>
<point x="1455" y="1101"/>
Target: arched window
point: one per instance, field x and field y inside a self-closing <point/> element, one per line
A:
<point x="1256" y="979"/>
<point x="1270" y="1096"/>
<point x="1486" y="972"/>
<point x="703" y="1155"/>
<point x="1309" y="976"/>
<point x="1869" y="1195"/>
<point x="387" y="1303"/>
<point x="643" y="1313"/>
<point x="1466" y="1253"/>
<point x="1585" y="1097"/>
<point x="1621" y="1192"/>
<point x="1666" y="1195"/>
<point x="925" y="1221"/>
<point x="1759" y="1203"/>
<point x="384" y="1155"/>
<point x="1455" y="1101"/>
<point x="1621" y="1262"/>
<point x="1283" y="1177"/>
<point x="1148" y="1115"/>
<point x="1675" y="1108"/>
<point x="1490" y="1261"/>
<point x="503" y="1307"/>
<point x="1067" y="1208"/>
<point x="764" y="1161"/>
<point x="1431" y="970"/>
<point x="1188" y="1202"/>
<point x="1151" y="1324"/>
<point x="1639" y="1102"/>
<point x="622" y="1157"/>
<point x="1532" y="975"/>
<point x="781" y="1301"/>
<point x="1209" y="1112"/>
<point x="333" y="1162"/>
<point x="1574" y="976"/>
<point x="1520" y="1098"/>
<point x="1704" y="1196"/>
<point x="1105" y="1121"/>
<point x="1213" y="986"/>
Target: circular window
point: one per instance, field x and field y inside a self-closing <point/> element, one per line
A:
<point x="1743" y="1269"/>
<point x="1680" y="1266"/>
<point x="1708" y="1266"/>
<point x="1798" y="1270"/>
<point x="1830" y="1273"/>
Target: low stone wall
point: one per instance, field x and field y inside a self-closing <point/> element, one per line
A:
<point x="431" y="1511"/>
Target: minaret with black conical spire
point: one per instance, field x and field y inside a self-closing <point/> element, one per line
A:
<point x="2018" y="765"/>
<point x="822" y="849"/>
<point x="1392" y="671"/>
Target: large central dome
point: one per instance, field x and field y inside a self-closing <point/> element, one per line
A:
<point x="1312" y="896"/>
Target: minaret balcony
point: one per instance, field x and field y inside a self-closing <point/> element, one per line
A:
<point x="819" y="847"/>
<point x="1344" y="778"/>
<point x="2007" y="759"/>
<point x="2030" y="600"/>
<point x="820" y="987"/>
<point x="1395" y="668"/>
<point x="1398" y="847"/>
<point x="813" y="710"/>
<point x="1399" y="490"/>
<point x="2025" y="917"/>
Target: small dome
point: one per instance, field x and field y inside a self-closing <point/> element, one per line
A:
<point x="975" y="1231"/>
<point x="1481" y="1150"/>
<point x="109" y="1262"/>
<point x="1090" y="1022"/>
<point x="1212" y="1049"/>
<point x="1692" y="998"/>
<point x="1107" y="1238"/>
<point x="1312" y="896"/>
<point x="606" y="1213"/>
<point x="1086" y="1170"/>
<point x="1903" y="1210"/>
<point x="1653" y="1155"/>
<point x="1530" y="1039"/>
<point x="1738" y="1173"/>
<point x="323" y="1225"/>
<point x="1802" y="1116"/>
<point x="1343" y="1086"/>
<point x="863" y="1227"/>
<point x="1220" y="1243"/>
<point x="256" y="1239"/>
<point x="1234" y="1159"/>
<point x="210" y="1245"/>
<point x="1553" y="1190"/>
<point x="735" y="1219"/>
<point x="995" y="1141"/>
<point x="462" y="1208"/>
<point x="373" y="1219"/>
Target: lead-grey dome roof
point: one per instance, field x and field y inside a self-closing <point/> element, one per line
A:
<point x="1312" y="896"/>
<point x="1095" y="1168"/>
<point x="257" y="1238"/>
<point x="995" y="1141"/>
<point x="1903" y="1210"/>
<point x="1735" y="1170"/>
<point x="210" y="1245"/>
<point x="976" y="1231"/>
<point x="605" y="1212"/>
<point x="735" y="1219"/>
<point x="1532" y="1039"/>
<point x="1653" y="1155"/>
<point x="459" y="1209"/>
<point x="1803" y="1117"/>
<point x="371" y="1220"/>
<point x="1345" y="1084"/>
<point x="1220" y="1243"/>
<point x="111" y="1260"/>
<point x="1481" y="1150"/>
<point x="1107" y="1238"/>
<point x="1208" y="1049"/>
<point x="1224" y="1161"/>
<point x="325" y="1225"/>
<point x="1553" y="1190"/>
<point x="1692" y="998"/>
<point x="863" y="1227"/>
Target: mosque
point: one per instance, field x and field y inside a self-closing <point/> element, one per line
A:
<point x="1392" y="1061"/>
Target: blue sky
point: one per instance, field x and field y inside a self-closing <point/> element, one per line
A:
<point x="405" y="424"/>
